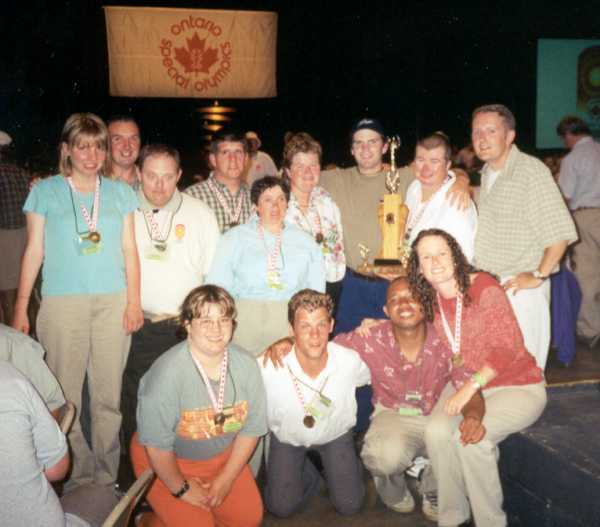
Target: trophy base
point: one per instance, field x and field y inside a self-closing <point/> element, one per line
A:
<point x="382" y="266"/>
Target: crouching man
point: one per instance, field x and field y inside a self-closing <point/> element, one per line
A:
<point x="311" y="406"/>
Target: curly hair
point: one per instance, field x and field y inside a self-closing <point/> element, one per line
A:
<point x="300" y="143"/>
<point x="310" y="300"/>
<point x="422" y="289"/>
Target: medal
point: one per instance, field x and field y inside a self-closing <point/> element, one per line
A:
<point x="219" y="419"/>
<point x="308" y="421"/>
<point x="457" y="358"/>
<point x="160" y="247"/>
<point x="319" y="238"/>
<point x="94" y="237"/>
<point x="158" y="237"/>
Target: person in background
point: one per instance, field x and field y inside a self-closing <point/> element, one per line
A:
<point x="14" y="187"/>
<point x="311" y="207"/>
<point x="80" y="227"/>
<point x="201" y="411"/>
<point x="125" y="142"/>
<point x="259" y="164"/>
<point x="579" y="180"/>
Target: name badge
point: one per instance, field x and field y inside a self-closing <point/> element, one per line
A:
<point x="157" y="251"/>
<point x="86" y="247"/>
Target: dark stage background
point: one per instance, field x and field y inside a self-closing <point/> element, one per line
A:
<point x="417" y="68"/>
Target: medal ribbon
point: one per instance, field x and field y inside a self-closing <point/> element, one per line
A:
<point x="91" y="221"/>
<point x="299" y="391"/>
<point x="272" y="256"/>
<point x="156" y="235"/>
<point x="454" y="341"/>
<point x="217" y="404"/>
<point x="414" y="219"/>
<point x="234" y="217"/>
<point x="317" y="223"/>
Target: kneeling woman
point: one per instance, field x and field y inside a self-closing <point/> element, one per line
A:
<point x="201" y="410"/>
<point x="471" y="309"/>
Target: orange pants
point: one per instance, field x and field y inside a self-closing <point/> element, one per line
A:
<point x="241" y="508"/>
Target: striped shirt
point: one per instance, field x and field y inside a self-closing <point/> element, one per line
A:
<point x="519" y="216"/>
<point x="14" y="188"/>
<point x="204" y="192"/>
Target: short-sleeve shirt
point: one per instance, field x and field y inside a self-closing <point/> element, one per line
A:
<point x="579" y="177"/>
<point x="27" y="356"/>
<point x="241" y="263"/>
<point x="358" y="197"/>
<point x="397" y="382"/>
<point x="343" y="373"/>
<point x="175" y="412"/>
<point x="31" y="441"/>
<point x="519" y="216"/>
<point x="66" y="270"/>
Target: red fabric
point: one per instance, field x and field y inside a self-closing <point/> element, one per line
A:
<point x="491" y="335"/>
<point x="392" y="375"/>
<point x="241" y="508"/>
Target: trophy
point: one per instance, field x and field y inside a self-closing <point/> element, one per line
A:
<point x="392" y="216"/>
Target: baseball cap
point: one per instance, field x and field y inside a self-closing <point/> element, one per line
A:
<point x="366" y="123"/>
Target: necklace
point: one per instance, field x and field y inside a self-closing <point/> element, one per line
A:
<point x="158" y="238"/>
<point x="308" y="420"/>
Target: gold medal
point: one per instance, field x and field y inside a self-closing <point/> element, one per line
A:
<point x="219" y="419"/>
<point x="457" y="360"/>
<point x="319" y="237"/>
<point x="160" y="247"/>
<point x="309" y="421"/>
<point x="94" y="237"/>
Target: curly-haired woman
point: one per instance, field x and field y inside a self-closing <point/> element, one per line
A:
<point x="471" y="309"/>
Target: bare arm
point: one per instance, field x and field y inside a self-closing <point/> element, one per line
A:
<point x="165" y="466"/>
<point x="30" y="267"/>
<point x="58" y="471"/>
<point x="550" y="259"/>
<point x="455" y="404"/>
<point x="133" y="317"/>
<point x="243" y="447"/>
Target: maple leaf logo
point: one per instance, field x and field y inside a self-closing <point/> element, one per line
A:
<point x="196" y="57"/>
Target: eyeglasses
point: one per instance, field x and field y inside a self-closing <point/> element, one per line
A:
<point x="210" y="323"/>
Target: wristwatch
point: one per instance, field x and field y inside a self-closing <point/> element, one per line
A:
<point x="184" y="488"/>
<point x="537" y="274"/>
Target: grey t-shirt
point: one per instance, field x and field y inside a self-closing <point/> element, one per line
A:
<point x="31" y="441"/>
<point x="27" y="356"/>
<point x="358" y="197"/>
<point x="175" y="411"/>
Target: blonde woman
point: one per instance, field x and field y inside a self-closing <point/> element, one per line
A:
<point x="80" y="227"/>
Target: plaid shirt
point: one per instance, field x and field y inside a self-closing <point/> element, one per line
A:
<point x="14" y="188"/>
<point x="203" y="192"/>
<point x="521" y="215"/>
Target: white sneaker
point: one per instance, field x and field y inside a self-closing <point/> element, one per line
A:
<point x="406" y="505"/>
<point x="430" y="507"/>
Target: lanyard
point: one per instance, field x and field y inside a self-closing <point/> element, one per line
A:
<point x="90" y="220"/>
<point x="217" y="404"/>
<point x="273" y="255"/>
<point x="414" y="219"/>
<point x="453" y="340"/>
<point x="309" y="419"/>
<point x="317" y="231"/>
<point x="234" y="217"/>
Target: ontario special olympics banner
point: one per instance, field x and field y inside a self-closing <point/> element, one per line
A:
<point x="163" y="52"/>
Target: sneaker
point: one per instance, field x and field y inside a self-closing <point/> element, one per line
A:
<point x="406" y="505"/>
<point x="430" y="506"/>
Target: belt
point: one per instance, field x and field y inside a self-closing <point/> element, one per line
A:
<point x="154" y="318"/>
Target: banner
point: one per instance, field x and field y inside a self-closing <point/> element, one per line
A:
<point x="163" y="52"/>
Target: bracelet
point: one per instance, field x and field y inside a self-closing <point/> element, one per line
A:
<point x="478" y="380"/>
<point x="184" y="488"/>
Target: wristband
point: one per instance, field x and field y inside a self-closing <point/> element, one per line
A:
<point x="184" y="488"/>
<point x="478" y="380"/>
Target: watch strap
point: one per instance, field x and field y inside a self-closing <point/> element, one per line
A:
<point x="184" y="488"/>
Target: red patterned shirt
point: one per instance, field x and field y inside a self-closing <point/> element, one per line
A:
<point x="490" y="334"/>
<point x="397" y="382"/>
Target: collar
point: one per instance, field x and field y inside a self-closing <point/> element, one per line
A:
<point x="292" y="361"/>
<point x="171" y="206"/>
<point x="507" y="169"/>
<point x="223" y="187"/>
<point x="585" y="139"/>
